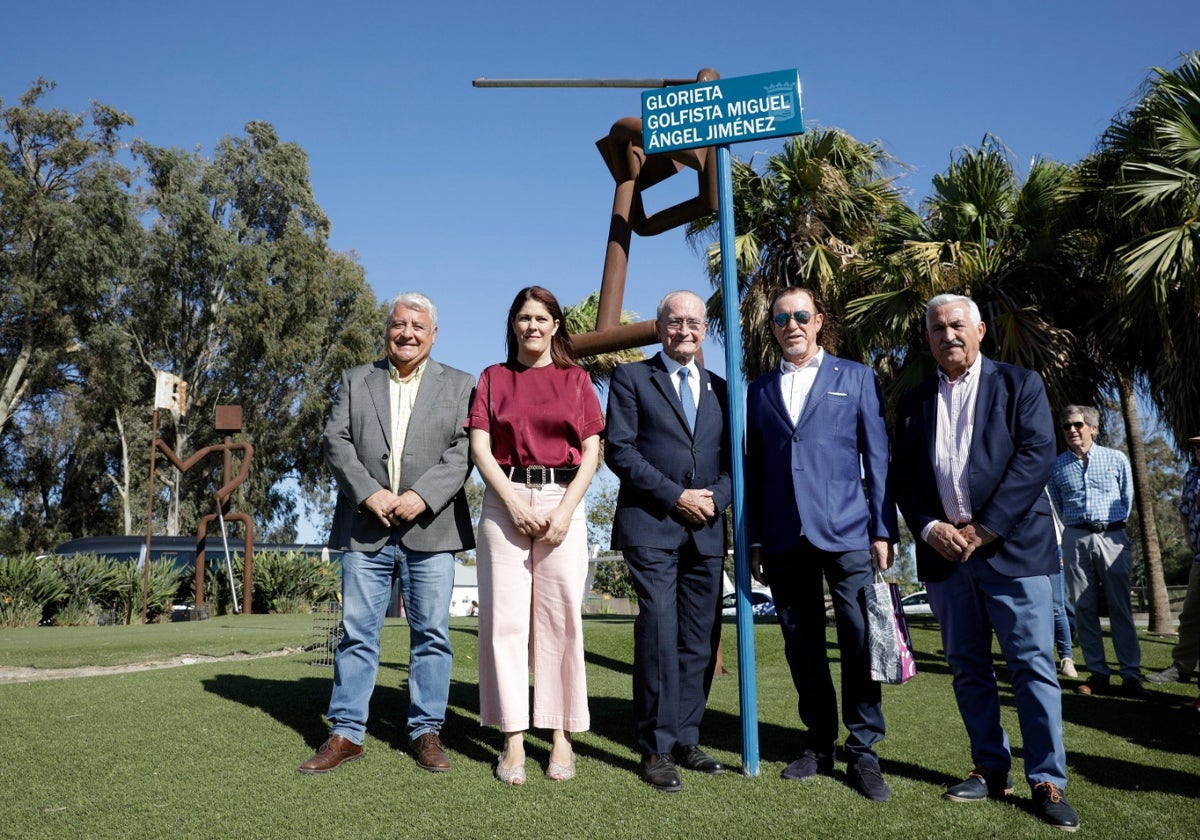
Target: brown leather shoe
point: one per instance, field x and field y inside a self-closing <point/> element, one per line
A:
<point x="430" y="754"/>
<point x="335" y="752"/>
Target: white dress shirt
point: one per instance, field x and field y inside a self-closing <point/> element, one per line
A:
<point x="797" y="381"/>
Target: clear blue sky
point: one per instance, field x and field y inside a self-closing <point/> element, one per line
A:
<point x="469" y="194"/>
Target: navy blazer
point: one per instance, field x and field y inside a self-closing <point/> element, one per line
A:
<point x="1012" y="456"/>
<point x="656" y="458"/>
<point x="825" y="477"/>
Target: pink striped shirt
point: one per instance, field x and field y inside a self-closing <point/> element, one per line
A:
<point x="952" y="441"/>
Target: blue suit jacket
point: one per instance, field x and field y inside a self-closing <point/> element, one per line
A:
<point x="810" y="478"/>
<point x="1011" y="458"/>
<point x="656" y="458"/>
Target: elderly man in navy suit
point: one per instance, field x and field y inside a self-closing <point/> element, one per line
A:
<point x="668" y="443"/>
<point x="974" y="449"/>
<point x="814" y="431"/>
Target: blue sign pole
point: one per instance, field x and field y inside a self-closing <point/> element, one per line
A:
<point x="747" y="687"/>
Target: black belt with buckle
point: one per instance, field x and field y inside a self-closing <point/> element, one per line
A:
<point x="539" y="476"/>
<point x="1100" y="527"/>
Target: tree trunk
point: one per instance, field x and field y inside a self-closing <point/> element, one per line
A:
<point x="1143" y="497"/>
<point x="123" y="483"/>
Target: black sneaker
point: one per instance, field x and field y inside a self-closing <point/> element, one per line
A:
<point x="866" y="778"/>
<point x="1052" y="807"/>
<point x="980" y="785"/>
<point x="808" y="765"/>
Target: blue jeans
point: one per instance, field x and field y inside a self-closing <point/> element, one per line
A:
<point x="974" y="602"/>
<point x="427" y="581"/>
<point x="1062" y="615"/>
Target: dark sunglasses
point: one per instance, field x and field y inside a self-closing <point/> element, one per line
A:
<point x="781" y="318"/>
<point x="1066" y="427"/>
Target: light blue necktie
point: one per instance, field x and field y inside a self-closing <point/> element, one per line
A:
<point x="689" y="401"/>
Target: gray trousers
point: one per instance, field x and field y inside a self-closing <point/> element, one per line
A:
<point x="1091" y="560"/>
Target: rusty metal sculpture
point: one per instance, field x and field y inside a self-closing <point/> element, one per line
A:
<point x="229" y="421"/>
<point x="635" y="171"/>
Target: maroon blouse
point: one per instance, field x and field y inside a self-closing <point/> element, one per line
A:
<point x="536" y="415"/>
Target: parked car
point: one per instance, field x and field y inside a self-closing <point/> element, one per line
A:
<point x="760" y="603"/>
<point x="916" y="605"/>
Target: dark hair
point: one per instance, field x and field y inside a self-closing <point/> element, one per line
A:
<point x="561" y="352"/>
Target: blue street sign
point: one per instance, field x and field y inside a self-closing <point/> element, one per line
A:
<point x="722" y="111"/>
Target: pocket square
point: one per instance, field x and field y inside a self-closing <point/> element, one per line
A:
<point x="837" y="393"/>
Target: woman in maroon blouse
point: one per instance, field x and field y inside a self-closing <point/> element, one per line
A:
<point x="535" y="427"/>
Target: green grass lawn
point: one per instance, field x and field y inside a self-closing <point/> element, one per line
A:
<point x="211" y="750"/>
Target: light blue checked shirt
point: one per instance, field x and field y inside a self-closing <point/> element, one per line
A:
<point x="1097" y="489"/>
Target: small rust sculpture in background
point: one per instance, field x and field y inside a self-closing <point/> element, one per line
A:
<point x="229" y="421"/>
<point x="635" y="171"/>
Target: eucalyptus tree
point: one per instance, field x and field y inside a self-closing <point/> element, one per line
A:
<point x="800" y="221"/>
<point x="69" y="236"/>
<point x="241" y="297"/>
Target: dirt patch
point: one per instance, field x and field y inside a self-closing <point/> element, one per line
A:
<point x="21" y="675"/>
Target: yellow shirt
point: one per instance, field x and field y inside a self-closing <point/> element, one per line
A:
<point x="403" y="394"/>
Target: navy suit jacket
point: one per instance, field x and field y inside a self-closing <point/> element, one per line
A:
<point x="656" y="458"/>
<point x="1011" y="458"/>
<point x="810" y="478"/>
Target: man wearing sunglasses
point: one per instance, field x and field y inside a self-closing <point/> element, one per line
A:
<point x="814" y="430"/>
<point x="1092" y="490"/>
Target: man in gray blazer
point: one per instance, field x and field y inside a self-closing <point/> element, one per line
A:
<point x="396" y="444"/>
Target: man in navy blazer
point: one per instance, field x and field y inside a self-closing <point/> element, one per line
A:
<point x="668" y="443"/>
<point x="973" y="451"/>
<point x="818" y="505"/>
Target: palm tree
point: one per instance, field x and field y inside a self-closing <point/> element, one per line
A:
<point x="986" y="234"/>
<point x="582" y="318"/>
<point x="1156" y="190"/>
<point x="798" y="222"/>
<point x="1140" y="201"/>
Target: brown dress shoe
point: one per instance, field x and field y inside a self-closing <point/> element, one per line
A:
<point x="430" y="754"/>
<point x="335" y="752"/>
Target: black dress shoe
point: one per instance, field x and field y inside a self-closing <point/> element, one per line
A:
<point x="981" y="785"/>
<point x="694" y="758"/>
<point x="659" y="771"/>
<point x="865" y="777"/>
<point x="1052" y="807"/>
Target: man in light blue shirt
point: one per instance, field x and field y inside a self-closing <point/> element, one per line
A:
<point x="1092" y="490"/>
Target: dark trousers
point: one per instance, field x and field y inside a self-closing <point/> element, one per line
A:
<point x="674" y="642"/>
<point x="795" y="580"/>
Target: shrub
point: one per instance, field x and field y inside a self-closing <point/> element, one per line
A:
<point x="89" y="581"/>
<point x="125" y="596"/>
<point x="612" y="577"/>
<point x="291" y="581"/>
<point x="27" y="587"/>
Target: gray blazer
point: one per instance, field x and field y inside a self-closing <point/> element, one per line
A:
<point x="435" y="464"/>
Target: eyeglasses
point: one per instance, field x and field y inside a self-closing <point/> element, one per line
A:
<point x="781" y="318"/>
<point x="1077" y="425"/>
<point x="678" y="324"/>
